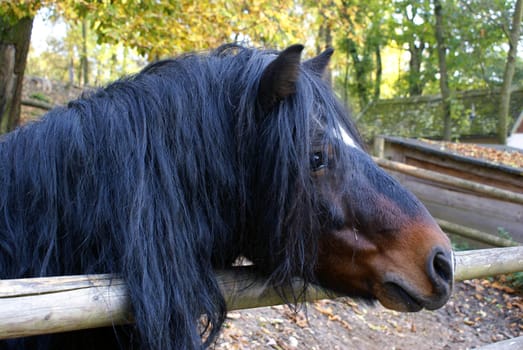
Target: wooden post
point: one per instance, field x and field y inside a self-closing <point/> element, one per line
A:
<point x="379" y="146"/>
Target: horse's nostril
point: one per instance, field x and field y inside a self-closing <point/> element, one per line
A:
<point x="440" y="270"/>
<point x="443" y="267"/>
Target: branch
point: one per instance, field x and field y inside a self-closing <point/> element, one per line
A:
<point x="38" y="104"/>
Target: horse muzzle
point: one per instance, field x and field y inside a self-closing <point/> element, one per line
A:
<point x="399" y="294"/>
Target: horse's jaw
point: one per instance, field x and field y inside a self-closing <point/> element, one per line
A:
<point x="406" y="276"/>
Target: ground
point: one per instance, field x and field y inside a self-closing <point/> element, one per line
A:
<point x="480" y="311"/>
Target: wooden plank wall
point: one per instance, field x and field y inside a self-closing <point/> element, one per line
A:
<point x="452" y="203"/>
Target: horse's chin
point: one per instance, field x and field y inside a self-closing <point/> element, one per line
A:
<point x="393" y="296"/>
<point x="400" y="296"/>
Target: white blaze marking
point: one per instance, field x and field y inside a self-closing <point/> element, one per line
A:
<point x="345" y="137"/>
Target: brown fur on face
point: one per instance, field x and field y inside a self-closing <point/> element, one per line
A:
<point x="351" y="263"/>
<point x="384" y="244"/>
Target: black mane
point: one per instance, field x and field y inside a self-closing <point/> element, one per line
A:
<point x="162" y="177"/>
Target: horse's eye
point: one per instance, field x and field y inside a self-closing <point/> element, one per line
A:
<point x="318" y="161"/>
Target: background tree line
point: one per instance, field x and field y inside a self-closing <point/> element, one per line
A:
<point x="397" y="48"/>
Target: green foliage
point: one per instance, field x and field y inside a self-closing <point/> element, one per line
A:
<point x="477" y="28"/>
<point x="163" y="28"/>
<point x="12" y="11"/>
<point x="152" y="29"/>
<point x="504" y="234"/>
<point x="516" y="279"/>
<point x="124" y="34"/>
<point x="476" y="32"/>
<point x="472" y="113"/>
<point x="459" y="245"/>
<point x="61" y="61"/>
<point x="359" y="32"/>
<point x="52" y="63"/>
<point x="412" y="28"/>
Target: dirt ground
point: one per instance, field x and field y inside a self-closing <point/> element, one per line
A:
<point x="480" y="312"/>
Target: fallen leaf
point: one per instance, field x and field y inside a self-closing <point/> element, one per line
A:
<point x="234" y="315"/>
<point x="413" y="328"/>
<point x="376" y="327"/>
<point x="327" y="311"/>
<point x="346" y="325"/>
<point x="265" y="330"/>
<point x="469" y="322"/>
<point x="503" y="288"/>
<point x="334" y="318"/>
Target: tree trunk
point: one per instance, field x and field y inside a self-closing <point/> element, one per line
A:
<point x="443" y="79"/>
<point x="359" y="67"/>
<point x="84" y="63"/>
<point x="14" y="46"/>
<point x="346" y="80"/>
<point x="379" y="73"/>
<point x="504" y="95"/>
<point x="325" y="41"/>
<point x="71" y="71"/>
<point x="416" y="57"/>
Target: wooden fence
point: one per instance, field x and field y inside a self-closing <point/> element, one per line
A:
<point x="57" y="304"/>
<point x="471" y="198"/>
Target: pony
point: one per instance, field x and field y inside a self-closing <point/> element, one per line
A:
<point x="166" y="175"/>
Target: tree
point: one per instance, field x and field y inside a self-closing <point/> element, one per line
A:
<point x="154" y="28"/>
<point x="83" y="56"/>
<point x="474" y="36"/>
<point x="357" y="30"/>
<point x="413" y="30"/>
<point x="504" y="96"/>
<point x="443" y="73"/>
<point x="15" y="33"/>
<point x="166" y="28"/>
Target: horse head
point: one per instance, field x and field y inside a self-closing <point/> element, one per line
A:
<point x="375" y="239"/>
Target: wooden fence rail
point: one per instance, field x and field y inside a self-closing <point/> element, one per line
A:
<point x="428" y="182"/>
<point x="476" y="235"/>
<point x="450" y="180"/>
<point x="57" y="304"/>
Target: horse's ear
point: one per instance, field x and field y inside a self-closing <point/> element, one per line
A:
<point x="279" y="78"/>
<point x="319" y="63"/>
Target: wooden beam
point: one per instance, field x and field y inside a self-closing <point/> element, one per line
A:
<point x="450" y="180"/>
<point x="45" y="305"/>
<point x="476" y="235"/>
<point x="488" y="262"/>
<point x="38" y="104"/>
<point x="57" y="304"/>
